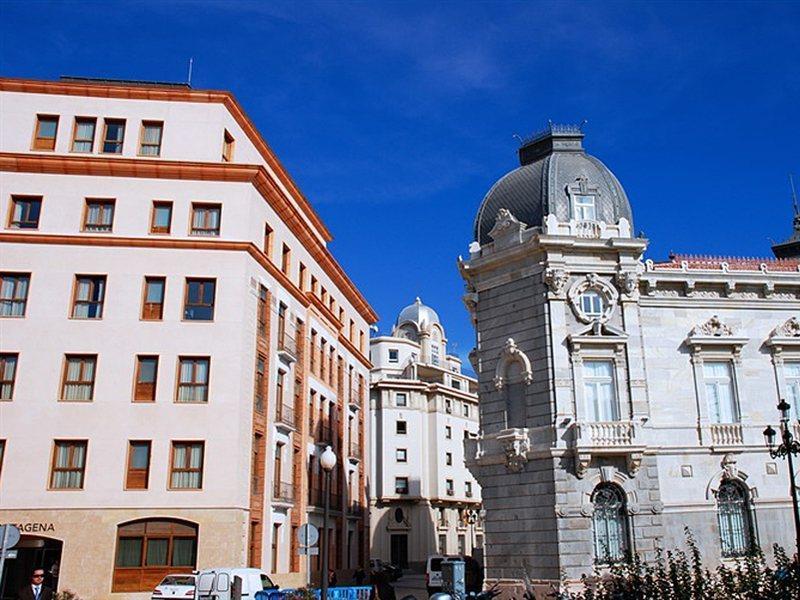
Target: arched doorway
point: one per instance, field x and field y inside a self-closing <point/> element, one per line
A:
<point x="33" y="552"/>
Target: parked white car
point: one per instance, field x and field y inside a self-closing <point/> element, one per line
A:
<point x="175" y="586"/>
<point x="215" y="584"/>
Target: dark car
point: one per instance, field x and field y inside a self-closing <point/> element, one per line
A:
<point x="393" y="572"/>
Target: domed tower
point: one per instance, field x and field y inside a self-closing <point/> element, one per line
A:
<point x="420" y="324"/>
<point x="552" y="287"/>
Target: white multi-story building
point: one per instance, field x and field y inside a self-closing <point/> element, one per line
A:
<point x="422" y="407"/>
<point x="177" y="345"/>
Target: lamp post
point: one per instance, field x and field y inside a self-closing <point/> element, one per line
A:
<point x="328" y="462"/>
<point x="787" y="448"/>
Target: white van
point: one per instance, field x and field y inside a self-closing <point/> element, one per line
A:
<point x="215" y="584"/>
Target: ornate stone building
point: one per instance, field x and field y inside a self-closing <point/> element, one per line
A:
<point x="621" y="399"/>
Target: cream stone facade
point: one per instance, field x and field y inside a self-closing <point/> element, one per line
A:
<point x="621" y="399"/>
<point x="422" y="409"/>
<point x="178" y="345"/>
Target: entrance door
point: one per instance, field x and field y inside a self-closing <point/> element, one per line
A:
<point x="33" y="552"/>
<point x="400" y="550"/>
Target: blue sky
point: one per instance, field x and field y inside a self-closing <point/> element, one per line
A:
<point x="396" y="118"/>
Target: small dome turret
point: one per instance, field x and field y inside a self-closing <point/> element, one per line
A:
<point x="421" y="315"/>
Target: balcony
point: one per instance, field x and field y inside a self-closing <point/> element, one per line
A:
<point x="599" y="438"/>
<point x="354" y="451"/>
<point x="355" y="399"/>
<point x="284" y="415"/>
<point x="287" y="346"/>
<point x="605" y="434"/>
<point x="726" y="434"/>
<point x="283" y="492"/>
<point x="317" y="498"/>
<point x="323" y="433"/>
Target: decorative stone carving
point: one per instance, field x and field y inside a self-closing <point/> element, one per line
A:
<point x="516" y="445"/>
<point x="593" y="282"/>
<point x="634" y="460"/>
<point x="587" y="510"/>
<point x="556" y="280"/>
<point x="657" y="507"/>
<point x="470" y="300"/>
<point x="628" y="282"/>
<point x="582" y="461"/>
<point x="507" y="229"/>
<point x="790" y="329"/>
<point x="560" y="512"/>
<point x="634" y="508"/>
<point x="728" y="465"/>
<point x="712" y="328"/>
<point x="511" y="353"/>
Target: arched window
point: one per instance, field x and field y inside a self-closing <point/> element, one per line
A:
<point x="733" y="514"/>
<point x="609" y="524"/>
<point x="149" y="549"/>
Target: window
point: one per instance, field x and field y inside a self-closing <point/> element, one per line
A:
<point x="401" y="428"/>
<point x="448" y="432"/>
<point x="448" y="486"/>
<point x="78" y="379"/>
<point x="401" y="455"/>
<point x="227" y="146"/>
<point x="268" y="236"/>
<point x="206" y="219"/>
<point x="599" y="391"/>
<point x="150" y="549"/>
<point x="448" y="458"/>
<point x="8" y="374"/>
<point x="90" y="291"/>
<point x="186" y="472"/>
<point x="83" y="134"/>
<point x="2" y="454"/>
<point x="448" y="406"/>
<point x="98" y="215"/>
<point x="146" y="376"/>
<point x="401" y="399"/>
<point x="25" y="211"/>
<point x="468" y="489"/>
<point x="719" y="392"/>
<point x="276" y="532"/>
<point x="161" y="217"/>
<point x="592" y="304"/>
<point x="44" y="138"/>
<point x="456" y="384"/>
<point x="584" y="208"/>
<point x="113" y="136"/>
<point x="199" y="300"/>
<point x="14" y="294"/>
<point x="150" y="138"/>
<point x="301" y="281"/>
<point x="466" y="409"/>
<point x="263" y="311"/>
<point x="401" y="485"/>
<point x="462" y="544"/>
<point x="286" y="259"/>
<point x="733" y="516"/>
<point x="69" y="465"/>
<point x="791" y="374"/>
<point x="442" y="543"/>
<point x="153" y="302"/>
<point x="193" y="379"/>
<point x="138" y="465"/>
<point x="609" y="524"/>
<point x="394" y="355"/>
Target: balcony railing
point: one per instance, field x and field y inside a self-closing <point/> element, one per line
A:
<point x="317" y="498"/>
<point x="354" y="450"/>
<point x="606" y="433"/>
<point x="283" y="492"/>
<point x="323" y="433"/>
<point x="726" y="434"/>
<point x="355" y="398"/>
<point x="284" y="413"/>
<point x="287" y="344"/>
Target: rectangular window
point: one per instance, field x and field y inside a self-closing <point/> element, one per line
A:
<point x="599" y="391"/>
<point x="401" y="399"/>
<point x="719" y="392"/>
<point x="14" y="294"/>
<point x="584" y="208"/>
<point x="394" y="355"/>
<point x="268" y="237"/>
<point x="448" y="432"/>
<point x="448" y="459"/>
<point x="401" y="428"/>
<point x="227" y="146"/>
<point x="448" y="486"/>
<point x="83" y="134"/>
<point x="791" y="373"/>
<point x="146" y="376"/>
<point x="161" y="217"/>
<point x="138" y="472"/>
<point x="466" y="409"/>
<point x="462" y="544"/>
<point x="301" y="278"/>
<point x="90" y="291"/>
<point x="276" y="533"/>
<point x="186" y="467"/>
<point x="448" y="406"/>
<point x="69" y="464"/>
<point x="98" y="216"/>
<point x="78" y="378"/>
<point x="401" y="485"/>
<point x="2" y="455"/>
<point x="401" y="455"/>
<point x="286" y="259"/>
<point x="44" y="138"/>
<point x="198" y="302"/>
<point x="442" y="543"/>
<point x="25" y="211"/>
<point x="263" y="311"/>
<point x="468" y="489"/>
<point x="113" y="136"/>
<point x="206" y="219"/>
<point x="193" y="374"/>
<point x="150" y="138"/>
<point x="8" y="375"/>
<point x="456" y="384"/>
<point x="153" y="302"/>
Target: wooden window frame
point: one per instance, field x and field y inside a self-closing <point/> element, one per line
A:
<point x="155" y="229"/>
<point x="149" y="123"/>
<point x="149" y="307"/>
<point x="193" y="383"/>
<point x="185" y="469"/>
<point x="104" y="203"/>
<point x="17" y="225"/>
<point x="14" y="291"/>
<point x="10" y="382"/>
<point x="133" y="473"/>
<point x="54" y="469"/>
<point x="75" y="140"/>
<point x="228" y="146"/>
<point x="204" y="232"/>
<point x="104" y="139"/>
<point x="269" y="240"/>
<point x="302" y="273"/>
<point x="138" y="395"/>
<point x="262" y="319"/>
<point x="203" y="281"/>
<point x="100" y="302"/>
<point x="286" y="260"/>
<point x="38" y="143"/>
<point x="65" y="381"/>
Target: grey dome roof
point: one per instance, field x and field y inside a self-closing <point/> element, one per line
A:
<point x="550" y="162"/>
<point x="418" y="313"/>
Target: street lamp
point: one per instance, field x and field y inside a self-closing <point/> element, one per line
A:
<point x="328" y="462"/>
<point x="786" y="449"/>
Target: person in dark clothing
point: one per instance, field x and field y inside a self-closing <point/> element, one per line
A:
<point x="381" y="588"/>
<point x="36" y="590"/>
<point x="359" y="576"/>
<point x="332" y="578"/>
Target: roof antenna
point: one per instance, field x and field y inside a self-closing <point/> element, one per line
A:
<point x="794" y="194"/>
<point x="189" y="79"/>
